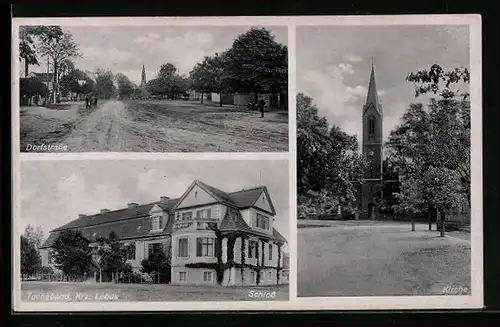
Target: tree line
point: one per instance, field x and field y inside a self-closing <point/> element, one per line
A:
<point x="254" y="64"/>
<point x="74" y="255"/>
<point x="428" y="154"/>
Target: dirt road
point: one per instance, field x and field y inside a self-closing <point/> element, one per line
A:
<point x="154" y="126"/>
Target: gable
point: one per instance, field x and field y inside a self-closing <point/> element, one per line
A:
<point x="195" y="196"/>
<point x="371" y="110"/>
<point x="263" y="202"/>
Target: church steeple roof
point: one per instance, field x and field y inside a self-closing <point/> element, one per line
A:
<point x="143" y="76"/>
<point x="372" y="97"/>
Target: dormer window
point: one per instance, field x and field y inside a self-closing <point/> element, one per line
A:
<point x="262" y="222"/>
<point x="156" y="223"/>
<point x="195" y="194"/>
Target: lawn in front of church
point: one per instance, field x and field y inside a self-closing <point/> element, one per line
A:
<point x="372" y="258"/>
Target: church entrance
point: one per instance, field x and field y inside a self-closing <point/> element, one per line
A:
<point x="371" y="211"/>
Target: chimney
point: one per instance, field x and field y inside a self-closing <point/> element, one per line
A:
<point x="164" y="198"/>
<point x="81" y="215"/>
<point x="103" y="211"/>
<point x="132" y="205"/>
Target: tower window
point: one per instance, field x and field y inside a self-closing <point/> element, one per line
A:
<point x="371" y="125"/>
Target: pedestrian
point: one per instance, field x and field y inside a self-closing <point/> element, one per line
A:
<point x="87" y="102"/>
<point x="262" y="103"/>
<point x="95" y="102"/>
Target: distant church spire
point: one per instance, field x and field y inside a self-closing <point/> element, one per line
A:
<point x="372" y="97"/>
<point x="143" y="77"/>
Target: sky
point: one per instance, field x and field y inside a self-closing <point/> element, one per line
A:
<point x="53" y="193"/>
<point x="334" y="63"/>
<point x="124" y="49"/>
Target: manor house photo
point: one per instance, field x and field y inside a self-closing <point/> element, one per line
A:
<point x="188" y="228"/>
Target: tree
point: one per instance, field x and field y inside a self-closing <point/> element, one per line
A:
<point x="430" y="150"/>
<point x="256" y="63"/>
<point x="72" y="254"/>
<point x="438" y="81"/>
<point x="157" y="263"/>
<point x="328" y="163"/>
<point x="59" y="46"/>
<point x="199" y="77"/>
<point x="125" y="86"/>
<point x="30" y="257"/>
<point x="32" y="86"/>
<point x="28" y="35"/>
<point x="34" y="235"/>
<point x="113" y="255"/>
<point x="104" y="84"/>
<point x="77" y="81"/>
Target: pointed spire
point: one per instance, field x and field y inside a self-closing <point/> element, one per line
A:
<point x="143" y="76"/>
<point x="372" y="96"/>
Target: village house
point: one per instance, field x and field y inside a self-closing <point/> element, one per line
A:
<point x="188" y="228"/>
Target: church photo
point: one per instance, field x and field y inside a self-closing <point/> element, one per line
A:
<point x="383" y="160"/>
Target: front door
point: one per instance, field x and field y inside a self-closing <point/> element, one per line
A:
<point x="371" y="211"/>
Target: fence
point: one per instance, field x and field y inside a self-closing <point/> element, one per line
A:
<point x="121" y="277"/>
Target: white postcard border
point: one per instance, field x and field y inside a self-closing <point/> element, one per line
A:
<point x="475" y="300"/>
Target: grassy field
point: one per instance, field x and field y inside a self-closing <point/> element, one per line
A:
<point x="155" y="126"/>
<point x="379" y="259"/>
<point x="68" y="292"/>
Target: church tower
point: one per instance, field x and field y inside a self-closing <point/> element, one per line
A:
<point x="372" y="119"/>
<point x="143" y="77"/>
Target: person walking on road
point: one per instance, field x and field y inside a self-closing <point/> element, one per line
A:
<point x="87" y="102"/>
<point x="262" y="103"/>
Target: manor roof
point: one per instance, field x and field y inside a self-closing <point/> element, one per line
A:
<point x="130" y="223"/>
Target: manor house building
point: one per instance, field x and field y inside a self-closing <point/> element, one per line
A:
<point x="186" y="229"/>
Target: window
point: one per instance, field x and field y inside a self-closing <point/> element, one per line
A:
<point x="50" y="258"/>
<point x="262" y="221"/>
<point x="187" y="215"/>
<point x="270" y="252"/>
<point x="252" y="249"/>
<point x="204" y="213"/>
<point x="154" y="248"/>
<point x="182" y="251"/>
<point x="155" y="223"/>
<point x="207" y="276"/>
<point x="131" y="251"/>
<point x="270" y="275"/>
<point x="205" y="247"/>
<point x="371" y="125"/>
<point x="182" y="276"/>
<point x="252" y="276"/>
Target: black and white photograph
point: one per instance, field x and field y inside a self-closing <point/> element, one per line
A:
<point x="119" y="88"/>
<point x="384" y="160"/>
<point x="157" y="230"/>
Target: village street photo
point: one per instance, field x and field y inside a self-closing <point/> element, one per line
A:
<point x="159" y="230"/>
<point x="384" y="160"/>
<point x="153" y="88"/>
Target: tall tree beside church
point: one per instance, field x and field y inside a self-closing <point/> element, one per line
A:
<point x="59" y="46"/>
<point x="327" y="163"/>
<point x="430" y="150"/>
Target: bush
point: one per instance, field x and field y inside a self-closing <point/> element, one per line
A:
<point x="157" y="264"/>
